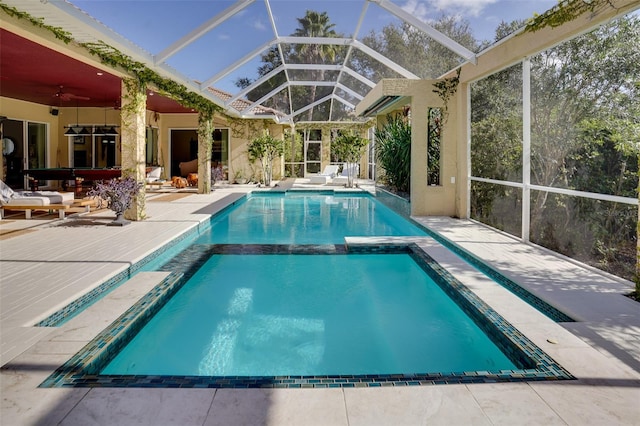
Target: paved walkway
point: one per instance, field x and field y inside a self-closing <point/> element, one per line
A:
<point x="44" y="264"/>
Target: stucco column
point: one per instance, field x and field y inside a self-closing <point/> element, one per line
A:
<point x="325" y="154"/>
<point x="205" y="143"/>
<point x="132" y="140"/>
<point x="419" y="124"/>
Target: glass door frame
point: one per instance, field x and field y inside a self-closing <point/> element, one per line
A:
<point x="312" y="162"/>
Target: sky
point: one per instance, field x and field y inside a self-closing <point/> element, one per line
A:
<point x="155" y="24"/>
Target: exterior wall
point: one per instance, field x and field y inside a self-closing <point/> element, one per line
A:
<point x="462" y="144"/>
<point x="167" y="123"/>
<point x="431" y="200"/>
<point x="27" y="111"/>
<point x="426" y="200"/>
<point x="58" y="153"/>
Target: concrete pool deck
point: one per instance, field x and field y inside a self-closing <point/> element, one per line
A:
<point x="45" y="264"/>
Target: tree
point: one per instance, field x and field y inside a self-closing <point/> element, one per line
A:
<point x="265" y="148"/>
<point x="349" y="146"/>
<point x="414" y="50"/>
<point x="584" y="136"/>
<point x="313" y="24"/>
<point x="393" y="152"/>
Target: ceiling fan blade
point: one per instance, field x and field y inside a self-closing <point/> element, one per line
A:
<point x="77" y="97"/>
<point x="69" y="96"/>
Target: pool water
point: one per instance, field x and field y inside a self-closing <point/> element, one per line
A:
<point x="305" y="218"/>
<point x="274" y="315"/>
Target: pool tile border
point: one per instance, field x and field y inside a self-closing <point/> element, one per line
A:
<point x="82" y="370"/>
<point x="63" y="315"/>
<point x="403" y="208"/>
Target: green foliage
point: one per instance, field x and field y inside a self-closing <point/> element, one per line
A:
<point x="57" y="32"/>
<point x="434" y="144"/>
<point x="293" y="147"/>
<point x="585" y="120"/>
<point x="265" y="149"/>
<point x="349" y="146"/>
<point x="445" y="89"/>
<point x="565" y="11"/>
<point x="114" y="58"/>
<point x="414" y="49"/>
<point x="393" y="152"/>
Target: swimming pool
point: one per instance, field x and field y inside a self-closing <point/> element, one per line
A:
<point x="297" y="217"/>
<point x="292" y="314"/>
<point x="88" y="366"/>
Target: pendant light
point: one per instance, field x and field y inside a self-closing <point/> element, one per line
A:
<point x="106" y="130"/>
<point x="77" y="130"/>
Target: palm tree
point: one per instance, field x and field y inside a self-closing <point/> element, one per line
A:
<point x="315" y="24"/>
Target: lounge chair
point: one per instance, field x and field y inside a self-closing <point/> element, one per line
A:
<point x="325" y="176"/>
<point x="348" y="169"/>
<point x="37" y="200"/>
<point x="154" y="175"/>
<point x="154" y="178"/>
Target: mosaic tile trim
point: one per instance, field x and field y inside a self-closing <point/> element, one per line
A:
<point x="309" y="191"/>
<point x="92" y="358"/>
<point x="82" y="369"/>
<point x="543" y="307"/>
<point x="394" y="202"/>
<point x="524" y="353"/>
<point x="74" y="308"/>
<point x="403" y="208"/>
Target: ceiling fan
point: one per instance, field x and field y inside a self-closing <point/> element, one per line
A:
<point x="64" y="96"/>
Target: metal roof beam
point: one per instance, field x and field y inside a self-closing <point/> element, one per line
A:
<point x="309" y="106"/>
<point x="349" y="91"/>
<point x="343" y="101"/>
<point x="255" y="84"/>
<point x="313" y="67"/>
<point x="384" y="60"/>
<point x="267" y="96"/>
<point x="318" y="102"/>
<point x="312" y="83"/>
<point x="338" y="41"/>
<point x="202" y="30"/>
<point x="236" y="64"/>
<point x="429" y="30"/>
<point x="354" y="36"/>
<point x="357" y="76"/>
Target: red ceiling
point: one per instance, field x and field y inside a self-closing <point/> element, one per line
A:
<point x="34" y="73"/>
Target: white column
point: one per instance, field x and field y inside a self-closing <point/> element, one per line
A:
<point x="526" y="148"/>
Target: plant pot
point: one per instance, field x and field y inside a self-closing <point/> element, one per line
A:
<point x="119" y="220"/>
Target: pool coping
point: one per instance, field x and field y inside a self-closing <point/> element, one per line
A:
<point x="82" y="370"/>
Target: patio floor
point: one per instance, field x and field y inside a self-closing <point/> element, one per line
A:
<point x="46" y="263"/>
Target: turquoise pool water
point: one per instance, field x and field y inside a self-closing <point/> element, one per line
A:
<point x="283" y="315"/>
<point x="305" y="218"/>
<point x="245" y="307"/>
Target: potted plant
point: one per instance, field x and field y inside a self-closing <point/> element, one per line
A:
<point x="118" y="194"/>
<point x="217" y="173"/>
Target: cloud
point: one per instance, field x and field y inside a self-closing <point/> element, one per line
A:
<point x="259" y="25"/>
<point x="417" y="8"/>
<point x="420" y="8"/>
